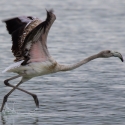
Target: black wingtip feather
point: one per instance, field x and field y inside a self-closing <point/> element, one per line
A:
<point x="13" y="24"/>
<point x="49" y="17"/>
<point x="50" y="11"/>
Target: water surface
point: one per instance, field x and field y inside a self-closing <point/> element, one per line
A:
<point x="93" y="94"/>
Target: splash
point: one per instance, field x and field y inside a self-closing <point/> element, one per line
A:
<point x="10" y="115"/>
<point x="12" y="111"/>
<point x="7" y="110"/>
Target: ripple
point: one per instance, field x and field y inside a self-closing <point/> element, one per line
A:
<point x="93" y="93"/>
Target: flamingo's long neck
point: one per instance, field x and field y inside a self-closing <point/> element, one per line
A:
<point x="76" y="65"/>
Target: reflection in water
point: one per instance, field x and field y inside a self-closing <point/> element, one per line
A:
<point x="13" y="119"/>
<point x="3" y="121"/>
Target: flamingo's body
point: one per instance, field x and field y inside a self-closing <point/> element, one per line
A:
<point x="32" y="69"/>
<point x="29" y="36"/>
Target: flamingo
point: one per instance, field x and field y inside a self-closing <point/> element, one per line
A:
<point x="32" y="58"/>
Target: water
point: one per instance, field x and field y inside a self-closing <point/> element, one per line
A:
<point x="93" y="94"/>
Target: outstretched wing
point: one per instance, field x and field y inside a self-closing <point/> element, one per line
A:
<point x="29" y="36"/>
<point x="35" y="46"/>
<point x="16" y="27"/>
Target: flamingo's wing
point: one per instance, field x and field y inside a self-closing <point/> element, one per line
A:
<point x="16" y="27"/>
<point x="34" y="46"/>
<point x="16" y="23"/>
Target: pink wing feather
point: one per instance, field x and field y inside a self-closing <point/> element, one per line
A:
<point x="37" y="53"/>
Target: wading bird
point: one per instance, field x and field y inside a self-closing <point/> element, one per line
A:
<point x="32" y="58"/>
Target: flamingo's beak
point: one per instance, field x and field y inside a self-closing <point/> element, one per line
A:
<point x="119" y="55"/>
